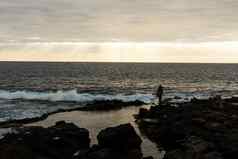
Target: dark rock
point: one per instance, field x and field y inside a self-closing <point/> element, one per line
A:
<point x="150" y="157"/>
<point x="15" y="151"/>
<point x="121" y="137"/>
<point x="177" y="97"/>
<point x="82" y="153"/>
<point x="58" y="142"/>
<point x="108" y="153"/>
<point x="134" y="154"/>
<point x="110" y="105"/>
<point x="213" y="155"/>
<point x="232" y="100"/>
<point x="67" y="141"/>
<point x="200" y="129"/>
<point x="175" y="154"/>
<point x="120" y="142"/>
<point x="193" y="148"/>
<point x="104" y="153"/>
<point x="143" y="112"/>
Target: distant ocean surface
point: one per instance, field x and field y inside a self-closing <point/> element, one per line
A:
<point x="32" y="89"/>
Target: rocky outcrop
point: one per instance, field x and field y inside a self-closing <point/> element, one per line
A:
<point x="57" y="142"/>
<point x="200" y="129"/>
<point x="110" y="105"/>
<point x="119" y="142"/>
<point x="67" y="141"/>
<point x="115" y="138"/>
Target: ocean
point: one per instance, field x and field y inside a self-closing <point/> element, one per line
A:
<point x="31" y="89"/>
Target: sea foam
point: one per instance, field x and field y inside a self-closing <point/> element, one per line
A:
<point x="73" y="96"/>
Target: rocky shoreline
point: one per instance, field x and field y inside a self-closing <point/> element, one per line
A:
<point x="106" y="105"/>
<point x="199" y="129"/>
<point x="67" y="141"/>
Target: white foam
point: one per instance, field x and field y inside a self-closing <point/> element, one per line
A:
<point x="73" y="96"/>
<point x="4" y="131"/>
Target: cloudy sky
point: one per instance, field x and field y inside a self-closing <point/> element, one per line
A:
<point x="119" y="30"/>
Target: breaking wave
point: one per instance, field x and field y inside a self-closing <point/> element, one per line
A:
<point x="73" y="96"/>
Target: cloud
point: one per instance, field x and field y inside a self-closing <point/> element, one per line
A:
<point x="104" y="20"/>
<point x="174" y="31"/>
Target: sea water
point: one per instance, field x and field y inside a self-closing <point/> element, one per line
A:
<point x="31" y="89"/>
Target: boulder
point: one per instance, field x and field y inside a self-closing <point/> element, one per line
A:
<point x="122" y="137"/>
<point x="57" y="142"/>
<point x="120" y="142"/>
<point x="15" y="151"/>
<point x="150" y="157"/>
<point x="143" y="112"/>
<point x="67" y="141"/>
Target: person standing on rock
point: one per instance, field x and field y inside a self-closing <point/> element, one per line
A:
<point x="159" y="93"/>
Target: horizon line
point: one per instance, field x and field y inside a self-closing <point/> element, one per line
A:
<point x="139" y="62"/>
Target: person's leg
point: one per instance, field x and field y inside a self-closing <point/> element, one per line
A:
<point x="160" y="99"/>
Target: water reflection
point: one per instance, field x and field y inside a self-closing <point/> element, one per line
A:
<point x="96" y="121"/>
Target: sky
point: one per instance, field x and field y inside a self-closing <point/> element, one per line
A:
<point x="119" y="30"/>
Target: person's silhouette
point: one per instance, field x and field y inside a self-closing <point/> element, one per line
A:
<point x="159" y="93"/>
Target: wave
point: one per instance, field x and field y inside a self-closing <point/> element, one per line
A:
<point x="73" y="96"/>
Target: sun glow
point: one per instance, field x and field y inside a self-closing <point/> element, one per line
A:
<point x="208" y="52"/>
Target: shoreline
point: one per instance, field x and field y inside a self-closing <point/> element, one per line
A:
<point x="202" y="129"/>
<point x="95" y="121"/>
<point x="67" y="140"/>
<point x="193" y="129"/>
<point x="107" y="105"/>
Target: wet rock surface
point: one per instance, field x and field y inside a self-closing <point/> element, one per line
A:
<point x="200" y="129"/>
<point x="67" y="141"/>
<point x="110" y="105"/>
